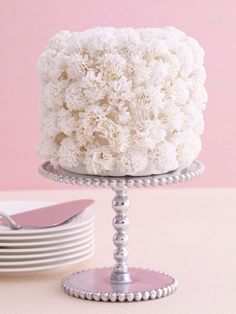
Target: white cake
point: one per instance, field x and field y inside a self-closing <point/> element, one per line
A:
<point x="122" y="101"/>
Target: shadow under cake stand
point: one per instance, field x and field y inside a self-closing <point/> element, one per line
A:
<point x="119" y="283"/>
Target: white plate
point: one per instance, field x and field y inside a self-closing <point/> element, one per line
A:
<point x="44" y="237"/>
<point x="47" y="261"/>
<point x="28" y="257"/>
<point x="35" y="244"/>
<point x="18" y="207"/>
<point x="37" y="269"/>
<point x="47" y="235"/>
<point x="58" y="247"/>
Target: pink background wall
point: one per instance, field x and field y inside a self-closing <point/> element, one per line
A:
<point x="26" y="25"/>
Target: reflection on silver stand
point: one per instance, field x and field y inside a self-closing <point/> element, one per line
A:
<point x="119" y="283"/>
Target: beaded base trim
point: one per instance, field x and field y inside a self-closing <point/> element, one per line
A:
<point x="113" y="296"/>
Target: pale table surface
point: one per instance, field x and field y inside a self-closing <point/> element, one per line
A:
<point x="190" y="233"/>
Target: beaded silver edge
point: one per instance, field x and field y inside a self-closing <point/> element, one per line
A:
<point x="58" y="174"/>
<point x="119" y="296"/>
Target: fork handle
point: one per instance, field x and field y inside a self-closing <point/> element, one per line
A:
<point x="9" y="221"/>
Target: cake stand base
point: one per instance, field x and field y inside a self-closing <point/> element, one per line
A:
<point x="95" y="284"/>
<point x="119" y="283"/>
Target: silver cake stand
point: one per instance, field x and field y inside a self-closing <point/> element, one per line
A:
<point x="119" y="283"/>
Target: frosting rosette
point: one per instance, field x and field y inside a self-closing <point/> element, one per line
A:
<point x="122" y="101"/>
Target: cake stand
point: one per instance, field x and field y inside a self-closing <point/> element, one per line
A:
<point x="119" y="283"/>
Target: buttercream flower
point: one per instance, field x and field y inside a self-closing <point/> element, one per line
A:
<point x="123" y="114"/>
<point x="192" y="116"/>
<point x="158" y="70"/>
<point x="49" y="124"/>
<point x="172" y="117"/>
<point x="149" y="101"/>
<point x="120" y="90"/>
<point x="77" y="66"/>
<point x="44" y="64"/>
<point x="185" y="55"/>
<point x="92" y="119"/>
<point x="47" y="147"/>
<point x="157" y="46"/>
<point x="163" y="157"/>
<point x="52" y="65"/>
<point x="172" y="37"/>
<point x="198" y="52"/>
<point x="99" y="160"/>
<point x="178" y="92"/>
<point x="138" y="70"/>
<point x="80" y="135"/>
<point x="148" y="134"/>
<point x="74" y="98"/>
<point x="65" y="121"/>
<point x="94" y="87"/>
<point x="174" y="65"/>
<point x="187" y="150"/>
<point x="101" y="40"/>
<point x="132" y="161"/>
<point x="118" y="137"/>
<point x="53" y="94"/>
<point x="59" y="41"/>
<point x="198" y="126"/>
<point x="199" y="75"/>
<point x="68" y="153"/>
<point x="199" y="96"/>
<point x="111" y="65"/>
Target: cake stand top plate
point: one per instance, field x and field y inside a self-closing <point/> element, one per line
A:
<point x="53" y="171"/>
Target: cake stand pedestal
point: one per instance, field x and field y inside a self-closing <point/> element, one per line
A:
<point x="119" y="283"/>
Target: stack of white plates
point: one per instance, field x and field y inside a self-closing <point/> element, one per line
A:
<point x="31" y="251"/>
